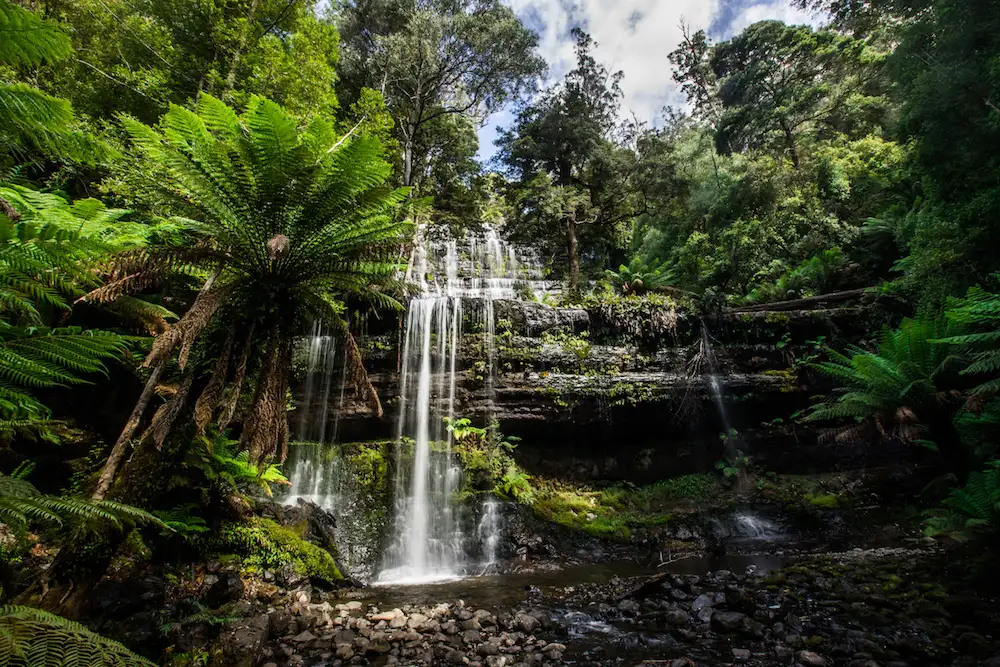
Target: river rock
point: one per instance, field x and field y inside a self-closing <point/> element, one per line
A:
<point x="731" y="621"/>
<point x="810" y="659"/>
<point x="741" y="654"/>
<point x="228" y="587"/>
<point x="527" y="624"/>
<point x="242" y="641"/>
<point x="416" y="620"/>
<point x="488" y="648"/>
<point x="702" y="601"/>
<point x="677" y="617"/>
<point x="398" y="621"/>
<point x="455" y="657"/>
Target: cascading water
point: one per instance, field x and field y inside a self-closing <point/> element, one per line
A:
<point x="428" y="541"/>
<point x="489" y="532"/>
<point x="312" y="478"/>
<point x="712" y="367"/>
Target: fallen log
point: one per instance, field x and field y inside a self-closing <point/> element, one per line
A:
<point x="803" y="304"/>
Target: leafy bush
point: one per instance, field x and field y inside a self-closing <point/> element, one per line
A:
<point x="487" y="457"/>
<point x="979" y="312"/>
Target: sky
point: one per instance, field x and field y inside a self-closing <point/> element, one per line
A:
<point x="633" y="36"/>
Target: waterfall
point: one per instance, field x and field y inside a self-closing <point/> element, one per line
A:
<point x="712" y="367"/>
<point x="428" y="541"/>
<point x="312" y="478"/>
<point x="489" y="532"/>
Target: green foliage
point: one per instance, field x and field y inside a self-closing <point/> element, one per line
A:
<point x="35" y="638"/>
<point x="487" y="457"/>
<point x="641" y="320"/>
<point x="261" y="543"/>
<point x="617" y="512"/>
<point x="970" y="511"/>
<point x="820" y="274"/>
<point x="896" y="389"/>
<point x="21" y="506"/>
<point x="979" y="313"/>
<point x="640" y="277"/>
<point x="577" y="345"/>
<point x="217" y="458"/>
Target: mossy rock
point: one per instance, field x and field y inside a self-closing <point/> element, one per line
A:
<point x="262" y="543"/>
<point x="823" y="500"/>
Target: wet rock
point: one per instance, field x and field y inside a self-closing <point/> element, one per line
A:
<point x="677" y="617"/>
<point x="628" y="606"/>
<point x="731" y="621"/>
<point x="344" y="652"/>
<point x="526" y="623"/>
<point x="741" y="654"/>
<point x="455" y="657"/>
<point x="702" y="601"/>
<point x="810" y="659"/>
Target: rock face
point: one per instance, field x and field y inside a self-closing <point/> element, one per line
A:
<point x="570" y="380"/>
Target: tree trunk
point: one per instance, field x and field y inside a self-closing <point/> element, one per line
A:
<point x="790" y="143"/>
<point x="118" y="451"/>
<point x="408" y="160"/>
<point x="238" y="56"/>
<point x="573" y="250"/>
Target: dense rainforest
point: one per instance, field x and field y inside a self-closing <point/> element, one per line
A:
<point x="290" y="374"/>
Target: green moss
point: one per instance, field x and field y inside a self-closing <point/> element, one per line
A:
<point x="262" y="543"/>
<point x="617" y="512"/>
<point x="824" y="500"/>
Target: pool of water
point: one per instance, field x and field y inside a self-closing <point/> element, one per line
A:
<point x="503" y="591"/>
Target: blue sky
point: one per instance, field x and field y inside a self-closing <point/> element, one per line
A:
<point x="634" y="36"/>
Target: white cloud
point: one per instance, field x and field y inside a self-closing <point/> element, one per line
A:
<point x="635" y="36"/>
<point x="770" y="10"/>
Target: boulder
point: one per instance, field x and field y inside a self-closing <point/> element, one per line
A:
<point x="242" y="642"/>
<point x="526" y="624"/>
<point x="731" y="622"/>
<point x="228" y="587"/>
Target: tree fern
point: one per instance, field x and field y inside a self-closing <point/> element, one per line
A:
<point x="49" y="256"/>
<point x="640" y="277"/>
<point x="894" y="390"/>
<point x="294" y="218"/>
<point x="978" y="312"/>
<point x="34" y="638"/>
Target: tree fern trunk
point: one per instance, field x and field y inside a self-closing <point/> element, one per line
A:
<point x="118" y="451"/>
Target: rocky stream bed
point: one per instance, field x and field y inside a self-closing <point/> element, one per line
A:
<point x="886" y="607"/>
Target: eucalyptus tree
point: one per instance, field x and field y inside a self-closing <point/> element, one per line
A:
<point x="434" y="58"/>
<point x="291" y="219"/>
<point x="780" y="86"/>
<point x="573" y="173"/>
